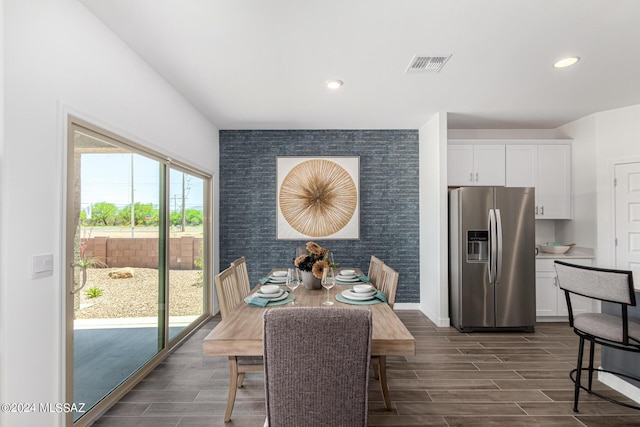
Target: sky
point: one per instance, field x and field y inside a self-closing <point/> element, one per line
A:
<point x="107" y="178"/>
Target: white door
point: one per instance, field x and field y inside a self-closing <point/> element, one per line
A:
<point x="627" y="206"/>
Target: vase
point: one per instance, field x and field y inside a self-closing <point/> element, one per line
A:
<point x="310" y="281"/>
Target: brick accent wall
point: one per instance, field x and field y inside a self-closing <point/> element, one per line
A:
<point x="389" y="226"/>
<point x="143" y="252"/>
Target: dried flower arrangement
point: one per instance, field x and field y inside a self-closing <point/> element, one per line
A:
<point x="315" y="260"/>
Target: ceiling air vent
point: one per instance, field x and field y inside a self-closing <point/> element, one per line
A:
<point x="427" y="63"/>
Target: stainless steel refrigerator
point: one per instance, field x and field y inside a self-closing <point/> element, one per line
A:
<point x="492" y="258"/>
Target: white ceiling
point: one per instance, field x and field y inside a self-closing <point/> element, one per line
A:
<point x="261" y="64"/>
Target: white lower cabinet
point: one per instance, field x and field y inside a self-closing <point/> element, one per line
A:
<point x="550" y="299"/>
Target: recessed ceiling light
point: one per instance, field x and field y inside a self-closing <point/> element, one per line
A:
<point x="566" y="62"/>
<point x="334" y="84"/>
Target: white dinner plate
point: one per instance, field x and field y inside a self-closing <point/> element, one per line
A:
<point x="361" y="294"/>
<point x="284" y="295"/>
<point x="280" y="298"/>
<point x="347" y="279"/>
<point x="276" y="297"/>
<point x="277" y="292"/>
<point x="271" y="296"/>
<point x="277" y="279"/>
<point x="343" y="274"/>
<point x="356" y="296"/>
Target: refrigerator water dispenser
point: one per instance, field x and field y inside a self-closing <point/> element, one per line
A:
<point x="477" y="245"/>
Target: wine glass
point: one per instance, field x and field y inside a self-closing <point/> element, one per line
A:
<point x="298" y="276"/>
<point x="293" y="281"/>
<point x="328" y="282"/>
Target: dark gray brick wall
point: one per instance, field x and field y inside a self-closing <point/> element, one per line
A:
<point x="388" y="199"/>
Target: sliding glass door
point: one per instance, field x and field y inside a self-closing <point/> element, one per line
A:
<point x="138" y="257"/>
<point x="186" y="249"/>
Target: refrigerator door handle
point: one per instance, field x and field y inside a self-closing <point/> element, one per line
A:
<point x="499" y="246"/>
<point x="492" y="245"/>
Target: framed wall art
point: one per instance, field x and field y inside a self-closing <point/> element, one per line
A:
<point x="318" y="198"/>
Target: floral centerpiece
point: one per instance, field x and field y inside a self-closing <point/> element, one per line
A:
<point x="313" y="263"/>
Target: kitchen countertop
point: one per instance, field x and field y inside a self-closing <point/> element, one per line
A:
<point x="575" y="252"/>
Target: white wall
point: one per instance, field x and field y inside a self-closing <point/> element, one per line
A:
<point x="618" y="140"/>
<point x="545" y="231"/>
<point x="599" y="141"/>
<point x="3" y="245"/>
<point x="59" y="57"/>
<point x="581" y="229"/>
<point x="434" y="287"/>
<point x="502" y="134"/>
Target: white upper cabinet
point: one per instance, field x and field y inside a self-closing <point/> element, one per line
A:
<point x="460" y="165"/>
<point x="471" y="164"/>
<point x="554" y="182"/>
<point x="522" y="165"/>
<point x="547" y="167"/>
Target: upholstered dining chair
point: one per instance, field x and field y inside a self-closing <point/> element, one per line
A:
<point x="317" y="366"/>
<point x="375" y="269"/>
<point x="387" y="284"/>
<point x="612" y="286"/>
<point x="230" y="295"/>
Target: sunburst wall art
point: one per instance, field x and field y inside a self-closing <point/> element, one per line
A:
<point x="318" y="197"/>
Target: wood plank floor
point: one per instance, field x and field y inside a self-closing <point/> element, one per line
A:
<point x="455" y="379"/>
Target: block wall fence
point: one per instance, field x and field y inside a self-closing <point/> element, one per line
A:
<point x="143" y="252"/>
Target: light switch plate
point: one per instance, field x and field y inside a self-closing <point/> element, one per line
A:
<point x="41" y="266"/>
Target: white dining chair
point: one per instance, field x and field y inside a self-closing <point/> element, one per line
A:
<point x="230" y="295"/>
<point x="242" y="275"/>
<point x="375" y="269"/>
<point x="387" y="284"/>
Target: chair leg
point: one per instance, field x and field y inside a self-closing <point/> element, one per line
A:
<point x="240" y="379"/>
<point x="233" y="385"/>
<point x="383" y="381"/>
<point x="376" y="370"/>
<point x="578" y="374"/>
<point x="591" y="352"/>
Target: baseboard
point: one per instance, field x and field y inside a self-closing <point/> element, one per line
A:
<point x="620" y="385"/>
<point x="440" y="322"/>
<point x="554" y="319"/>
<point x="406" y="306"/>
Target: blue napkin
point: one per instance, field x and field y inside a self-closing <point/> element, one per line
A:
<point x="364" y="278"/>
<point x="382" y="297"/>
<point x="264" y="280"/>
<point x="256" y="301"/>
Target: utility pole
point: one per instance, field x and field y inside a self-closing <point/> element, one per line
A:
<point x="183" y="220"/>
<point x="175" y="202"/>
<point x="133" y="217"/>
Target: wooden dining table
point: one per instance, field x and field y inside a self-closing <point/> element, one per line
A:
<point x="240" y="332"/>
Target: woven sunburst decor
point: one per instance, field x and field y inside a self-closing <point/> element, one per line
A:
<point x="318" y="197"/>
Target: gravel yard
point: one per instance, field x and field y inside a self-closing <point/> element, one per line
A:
<point x="138" y="296"/>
